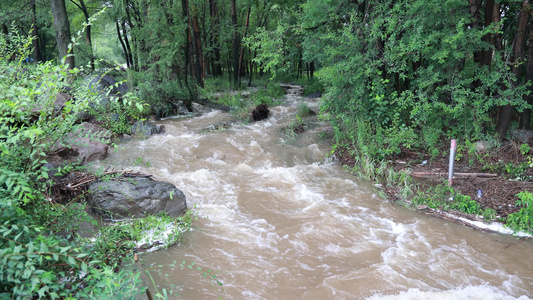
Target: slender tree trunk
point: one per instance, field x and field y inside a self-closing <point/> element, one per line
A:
<point x="128" y="47"/>
<point x="235" y="59"/>
<point x="185" y="15"/>
<point x="526" y="115"/>
<point x="217" y="63"/>
<point x="475" y="14"/>
<point x="506" y="111"/>
<point x="35" y="32"/>
<point x="486" y="55"/>
<point x="241" y="56"/>
<point x="62" y="29"/>
<point x="121" y="40"/>
<point x="88" y="37"/>
<point x="251" y="67"/>
<point x="197" y="48"/>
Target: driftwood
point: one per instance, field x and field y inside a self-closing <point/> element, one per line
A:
<point x="82" y="179"/>
<point x="442" y="174"/>
<point x="75" y="184"/>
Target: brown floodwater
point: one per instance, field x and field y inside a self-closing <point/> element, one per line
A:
<point x="278" y="219"/>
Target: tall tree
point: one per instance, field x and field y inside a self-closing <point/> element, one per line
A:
<point x="197" y="47"/>
<point x="215" y="38"/>
<point x="518" y="56"/>
<point x="62" y="29"/>
<point x="81" y="5"/>
<point x="235" y="48"/>
<point x="35" y="32"/>
<point x="526" y="115"/>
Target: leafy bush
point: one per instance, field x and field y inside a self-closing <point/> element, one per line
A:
<point x="303" y="110"/>
<point x="119" y="114"/>
<point x="120" y="240"/>
<point x="274" y="90"/>
<point x="443" y="197"/>
<point x="40" y="256"/>
<point x="522" y="220"/>
<point x="161" y="94"/>
<point x="313" y="86"/>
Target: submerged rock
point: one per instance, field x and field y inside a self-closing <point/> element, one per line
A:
<point x="260" y="112"/>
<point x="136" y="198"/>
<point x="141" y="128"/>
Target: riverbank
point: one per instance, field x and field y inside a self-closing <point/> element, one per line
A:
<point x="490" y="180"/>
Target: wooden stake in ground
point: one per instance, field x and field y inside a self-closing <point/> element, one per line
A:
<point x="452" y="160"/>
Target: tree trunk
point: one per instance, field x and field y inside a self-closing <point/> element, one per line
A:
<point x="62" y="29"/>
<point x="185" y="15"/>
<point x="235" y="59"/>
<point x="197" y="48"/>
<point x="241" y="56"/>
<point x="127" y="42"/>
<point x="506" y="111"/>
<point x="526" y="115"/>
<point x="486" y="55"/>
<point x="217" y="64"/>
<point x="126" y="53"/>
<point x="88" y="37"/>
<point x="35" y="32"/>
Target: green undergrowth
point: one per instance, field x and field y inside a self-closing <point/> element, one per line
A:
<point x="43" y="251"/>
<point x="400" y="186"/>
<point x="120" y="240"/>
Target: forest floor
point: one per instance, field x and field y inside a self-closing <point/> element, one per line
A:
<point x="494" y="176"/>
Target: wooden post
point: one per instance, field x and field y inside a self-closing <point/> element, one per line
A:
<point x="452" y="160"/>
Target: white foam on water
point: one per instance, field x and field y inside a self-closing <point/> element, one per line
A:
<point x="468" y="292"/>
<point x="492" y="226"/>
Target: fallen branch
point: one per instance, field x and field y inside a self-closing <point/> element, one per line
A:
<point x="442" y="174"/>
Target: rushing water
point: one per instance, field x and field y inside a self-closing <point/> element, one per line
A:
<point x="279" y="221"/>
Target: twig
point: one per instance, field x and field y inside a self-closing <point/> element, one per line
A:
<point x="520" y="240"/>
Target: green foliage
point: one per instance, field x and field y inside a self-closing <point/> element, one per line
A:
<point x="33" y="264"/>
<point x="120" y="240"/>
<point x="517" y="171"/>
<point x="399" y="74"/>
<point x="294" y="128"/>
<point x="271" y="48"/>
<point x="41" y="252"/>
<point x="274" y="90"/>
<point x="119" y="114"/>
<point x="443" y="197"/>
<point x="313" y="86"/>
<point x="488" y="214"/>
<point x="261" y="97"/>
<point x="522" y="220"/>
<point x="303" y="110"/>
<point x="160" y="95"/>
<point x="216" y="84"/>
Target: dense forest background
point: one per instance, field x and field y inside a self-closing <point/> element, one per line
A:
<point x="403" y="71"/>
<point x="394" y="74"/>
<point x="406" y="72"/>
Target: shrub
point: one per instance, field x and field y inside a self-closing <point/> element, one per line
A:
<point x="522" y="220"/>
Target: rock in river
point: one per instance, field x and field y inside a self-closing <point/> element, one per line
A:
<point x="136" y="198"/>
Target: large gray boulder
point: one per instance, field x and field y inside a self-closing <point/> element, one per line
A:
<point x="136" y="198"/>
<point x="521" y="135"/>
<point x="88" y="144"/>
<point x="102" y="84"/>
